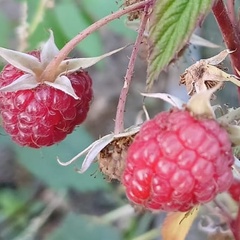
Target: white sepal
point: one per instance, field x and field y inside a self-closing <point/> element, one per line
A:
<point x="64" y="84"/>
<point x="22" y="61"/>
<point x="95" y="148"/>
<point x="174" y="101"/>
<point x="26" y="81"/>
<point x="72" y="65"/>
<point x="215" y="60"/>
<point x="94" y="151"/>
<point x="234" y="134"/>
<point x="49" y="50"/>
<point x="91" y="153"/>
<point x="230" y="117"/>
<point x="199" y="41"/>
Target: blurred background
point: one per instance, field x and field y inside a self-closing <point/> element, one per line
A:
<point x="39" y="199"/>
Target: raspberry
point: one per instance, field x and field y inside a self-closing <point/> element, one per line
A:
<point x="234" y="190"/>
<point x="44" y="115"/>
<point x="177" y="161"/>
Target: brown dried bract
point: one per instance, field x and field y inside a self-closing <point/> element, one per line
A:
<point x="207" y="73"/>
<point x="198" y="77"/>
<point x="112" y="158"/>
<point x="136" y="14"/>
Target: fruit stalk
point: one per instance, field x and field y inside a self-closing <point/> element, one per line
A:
<point x="230" y="32"/>
<point x="50" y="69"/>
<point x="119" y="124"/>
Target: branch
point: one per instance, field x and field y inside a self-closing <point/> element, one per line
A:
<point x="63" y="53"/>
<point x="119" y="124"/>
<point x="230" y="32"/>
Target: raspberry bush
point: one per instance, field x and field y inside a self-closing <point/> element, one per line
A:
<point x="182" y="160"/>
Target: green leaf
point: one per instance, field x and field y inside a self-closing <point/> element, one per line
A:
<point x="171" y="26"/>
<point x="85" y="228"/>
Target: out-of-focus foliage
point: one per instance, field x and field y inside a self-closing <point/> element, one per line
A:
<point x="88" y="228"/>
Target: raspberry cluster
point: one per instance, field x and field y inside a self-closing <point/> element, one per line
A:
<point x="177" y="161"/>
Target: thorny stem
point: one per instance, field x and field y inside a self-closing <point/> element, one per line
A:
<point x="231" y="35"/>
<point x="230" y="32"/>
<point x="63" y="53"/>
<point x="119" y="124"/>
<point x="230" y="9"/>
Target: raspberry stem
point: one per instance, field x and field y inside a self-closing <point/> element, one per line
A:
<point x="50" y="72"/>
<point x="119" y="124"/>
<point x="226" y="20"/>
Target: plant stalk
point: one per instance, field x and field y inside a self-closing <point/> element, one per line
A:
<point x="119" y="124"/>
<point x="230" y="32"/>
<point x="50" y="70"/>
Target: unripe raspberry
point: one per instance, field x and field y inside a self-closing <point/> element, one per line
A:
<point x="177" y="161"/>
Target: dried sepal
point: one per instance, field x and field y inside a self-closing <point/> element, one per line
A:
<point x="199" y="103"/>
<point x="205" y="74"/>
<point x="174" y="101"/>
<point x="199" y="41"/>
<point x="92" y="151"/>
<point x="33" y="68"/>
<point x="231" y="117"/>
<point x="49" y="50"/>
<point x="72" y="65"/>
<point x="26" y="81"/>
<point x="21" y="61"/>
<point x="233" y="133"/>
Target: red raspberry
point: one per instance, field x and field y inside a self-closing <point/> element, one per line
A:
<point x="44" y="115"/>
<point x="177" y="161"/>
<point x="234" y="190"/>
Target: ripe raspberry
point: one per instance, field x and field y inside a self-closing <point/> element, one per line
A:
<point x="44" y="115"/>
<point x="177" y="161"/>
<point x="234" y="190"/>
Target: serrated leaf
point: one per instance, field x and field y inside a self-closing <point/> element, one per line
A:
<point x="171" y="26"/>
<point x="177" y="224"/>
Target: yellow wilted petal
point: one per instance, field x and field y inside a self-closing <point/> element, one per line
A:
<point x="177" y="224"/>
